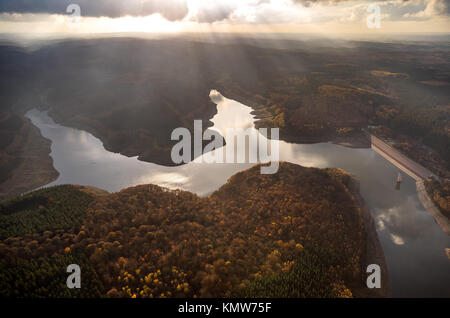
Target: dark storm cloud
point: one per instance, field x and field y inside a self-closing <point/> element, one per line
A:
<point x="170" y="9"/>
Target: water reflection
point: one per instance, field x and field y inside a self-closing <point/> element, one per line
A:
<point x="399" y="181"/>
<point x="413" y="243"/>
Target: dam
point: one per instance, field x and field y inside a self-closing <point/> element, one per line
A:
<point x="415" y="171"/>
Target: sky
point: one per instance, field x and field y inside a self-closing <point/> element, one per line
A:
<point x="287" y="16"/>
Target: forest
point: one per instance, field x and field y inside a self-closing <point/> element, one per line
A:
<point x="439" y="192"/>
<point x="58" y="208"/>
<point x="297" y="233"/>
<point x="131" y="93"/>
<point x="415" y="149"/>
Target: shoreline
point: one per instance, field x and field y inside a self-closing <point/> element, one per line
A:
<point x="354" y="139"/>
<point x="374" y="249"/>
<point x="31" y="175"/>
<point x="430" y="207"/>
<point x="35" y="168"/>
<point x="428" y="204"/>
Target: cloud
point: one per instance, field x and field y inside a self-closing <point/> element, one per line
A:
<point x="419" y="8"/>
<point x="210" y="11"/>
<point x="264" y="12"/>
<point x="170" y="9"/>
<point x="308" y="3"/>
<point x="391" y="10"/>
<point x="432" y="8"/>
<point x="397" y="240"/>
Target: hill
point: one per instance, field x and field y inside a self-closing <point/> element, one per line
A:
<point x="132" y="93"/>
<point x="305" y="229"/>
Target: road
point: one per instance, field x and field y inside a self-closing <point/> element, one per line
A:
<point x="417" y="172"/>
<point x="413" y="169"/>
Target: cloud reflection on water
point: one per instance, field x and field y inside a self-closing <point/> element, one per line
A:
<point x="407" y="232"/>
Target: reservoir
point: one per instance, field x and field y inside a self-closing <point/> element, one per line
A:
<point x="414" y="245"/>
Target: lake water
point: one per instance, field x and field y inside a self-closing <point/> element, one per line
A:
<point x="413" y="243"/>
